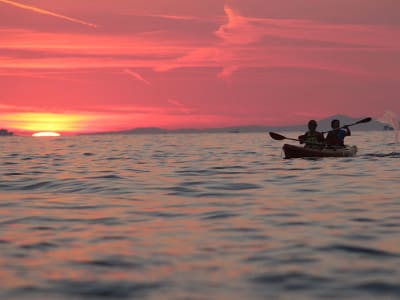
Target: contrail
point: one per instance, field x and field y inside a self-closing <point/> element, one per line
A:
<point x="136" y="76"/>
<point x="46" y="12"/>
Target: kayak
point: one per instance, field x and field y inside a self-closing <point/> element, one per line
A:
<point x="292" y="151"/>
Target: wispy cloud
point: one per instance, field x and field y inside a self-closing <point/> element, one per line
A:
<point x="45" y="75"/>
<point x="136" y="76"/>
<point x="239" y="42"/>
<point x="242" y="30"/>
<point x="172" y="17"/>
<point x="238" y="29"/>
<point x="248" y="42"/>
<point x="169" y="17"/>
<point x="178" y="104"/>
<point x="227" y="72"/>
<point x="46" y="12"/>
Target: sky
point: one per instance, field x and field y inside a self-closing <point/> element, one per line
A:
<point x="86" y="66"/>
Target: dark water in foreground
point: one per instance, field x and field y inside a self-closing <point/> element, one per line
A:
<point x="197" y="217"/>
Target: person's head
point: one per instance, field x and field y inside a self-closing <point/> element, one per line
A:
<point x="335" y="124"/>
<point x="312" y="125"/>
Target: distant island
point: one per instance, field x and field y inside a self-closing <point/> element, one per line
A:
<point x="5" y="132"/>
<point x="387" y="127"/>
<point x="323" y="125"/>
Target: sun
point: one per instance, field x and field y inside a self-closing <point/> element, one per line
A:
<point x="45" y="133"/>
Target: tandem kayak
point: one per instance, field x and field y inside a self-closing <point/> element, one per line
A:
<point x="292" y="151"/>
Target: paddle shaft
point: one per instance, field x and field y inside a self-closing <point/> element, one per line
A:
<point x="365" y="120"/>
<point x="297" y="140"/>
<point x="279" y="137"/>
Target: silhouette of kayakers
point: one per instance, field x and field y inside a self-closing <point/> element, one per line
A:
<point x="318" y="146"/>
<point x="312" y="138"/>
<point x="316" y="140"/>
<point x="335" y="137"/>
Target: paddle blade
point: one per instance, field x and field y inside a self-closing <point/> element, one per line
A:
<point x="366" y="120"/>
<point x="277" y="136"/>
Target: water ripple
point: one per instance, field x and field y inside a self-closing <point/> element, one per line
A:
<point x="196" y="216"/>
<point x="380" y="288"/>
<point x="216" y="215"/>
<point x="95" y="289"/>
<point x="351" y="249"/>
<point x="291" y="280"/>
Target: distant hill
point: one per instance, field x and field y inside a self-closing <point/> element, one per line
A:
<point x="323" y="125"/>
<point x="5" y="132"/>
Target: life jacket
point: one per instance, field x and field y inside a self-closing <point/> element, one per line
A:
<point x="312" y="139"/>
<point x="336" y="137"/>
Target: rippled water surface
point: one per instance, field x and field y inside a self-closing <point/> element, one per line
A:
<point x="197" y="216"/>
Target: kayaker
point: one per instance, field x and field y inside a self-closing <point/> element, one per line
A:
<point x="335" y="137"/>
<point x="312" y="138"/>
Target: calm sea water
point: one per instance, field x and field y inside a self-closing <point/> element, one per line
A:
<point x="197" y="216"/>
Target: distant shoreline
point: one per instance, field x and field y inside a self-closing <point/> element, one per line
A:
<point x="324" y="125"/>
<point x="5" y="132"/>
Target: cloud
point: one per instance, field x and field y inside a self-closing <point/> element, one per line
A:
<point x="168" y="17"/>
<point x="181" y="107"/>
<point x="227" y="72"/>
<point x="48" y="13"/>
<point x="242" y="30"/>
<point x="239" y="29"/>
<point x="45" y="75"/>
<point x="136" y="76"/>
<point x="250" y="42"/>
<point x="240" y="42"/>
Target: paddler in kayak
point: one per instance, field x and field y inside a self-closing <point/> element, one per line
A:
<point x="335" y="137"/>
<point x="312" y="138"/>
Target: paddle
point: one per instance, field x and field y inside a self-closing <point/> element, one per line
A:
<point x="279" y="137"/>
<point x="365" y="120"/>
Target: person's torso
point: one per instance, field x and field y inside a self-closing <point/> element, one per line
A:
<point x="312" y="139"/>
<point x="336" y="137"/>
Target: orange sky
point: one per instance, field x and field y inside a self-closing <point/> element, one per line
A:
<point x="84" y="66"/>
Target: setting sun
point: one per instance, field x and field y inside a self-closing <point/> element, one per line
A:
<point x="43" y="134"/>
<point x="36" y="122"/>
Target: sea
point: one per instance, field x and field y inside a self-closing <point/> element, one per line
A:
<point x="197" y="216"/>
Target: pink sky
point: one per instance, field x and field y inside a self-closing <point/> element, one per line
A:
<point x="74" y="66"/>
